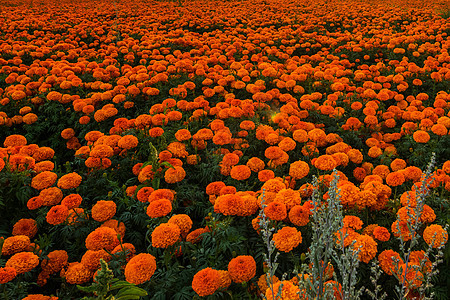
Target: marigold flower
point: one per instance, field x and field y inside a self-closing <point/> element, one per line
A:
<point x="161" y="194"/>
<point x="55" y="261"/>
<point x="381" y="233"/>
<point x="299" y="215"/>
<point x="229" y="204"/>
<point x="14" y="140"/>
<point x="72" y="201"/>
<point x="183" y="221"/>
<point x="195" y="236"/>
<point x="240" y="172"/>
<point x="367" y="247"/>
<point x="177" y="149"/>
<point x="325" y="163"/>
<point x="39" y="297"/>
<point x="287" y="238"/>
<point x="140" y="268"/>
<point x="175" y="174"/>
<point x="276" y="211"/>
<point x="26" y="227"/>
<point x="352" y="222"/>
<point x="23" y="262"/>
<point x="57" y="214"/>
<point x="395" y="178"/>
<point x="389" y="261"/>
<point x="15" y="244"/>
<point x="69" y="181"/>
<point x="102" y="238"/>
<point x="7" y="274"/>
<point x="206" y="282"/>
<point x="51" y="196"/>
<point x="91" y="259"/>
<point x="242" y="268"/>
<point x="288" y="291"/>
<point x="421" y="136"/>
<point x="165" y="234"/>
<point x="35" y="202"/>
<point x="159" y="208"/>
<point x="78" y="273"/>
<point x="128" y="142"/>
<point x="298" y="169"/>
<point x="43" y="180"/>
<point x="214" y="188"/>
<point x="103" y="210"/>
<point x="435" y="235"/>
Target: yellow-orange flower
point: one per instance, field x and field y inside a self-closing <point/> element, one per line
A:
<point x="103" y="210"/>
<point x="287" y="238"/>
<point x="242" y="268"/>
<point x="69" y="181"/>
<point x="140" y="268"/>
<point x="23" y="262"/>
<point x="165" y="234"/>
<point x="435" y="235"/>
<point x="206" y="282"/>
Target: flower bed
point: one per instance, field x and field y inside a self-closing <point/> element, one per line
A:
<point x="224" y="149"/>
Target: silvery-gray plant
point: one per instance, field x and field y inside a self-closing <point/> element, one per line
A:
<point x="326" y="221"/>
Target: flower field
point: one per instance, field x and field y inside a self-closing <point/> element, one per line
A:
<point x="263" y="149"/>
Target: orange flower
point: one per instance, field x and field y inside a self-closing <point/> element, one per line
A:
<point x="54" y="262"/>
<point x="26" y="227"/>
<point x="128" y="142"/>
<point x="14" y="140"/>
<point x="287" y="238"/>
<point x="69" y="181"/>
<point x="177" y="149"/>
<point x="242" y="268"/>
<point x="23" y="262"/>
<point x="102" y="238"/>
<point x="51" y="196"/>
<point x="381" y="233"/>
<point x="184" y="135"/>
<point x="140" y="268"/>
<point x="35" y="202"/>
<point x="159" y="208"/>
<point x="298" y="169"/>
<point x="195" y="236"/>
<point x="91" y="259"/>
<point x="240" y="172"/>
<point x="276" y="211"/>
<point x="255" y="164"/>
<point x="103" y="210"/>
<point x="395" y="178"/>
<point x="7" y="274"/>
<point x="183" y="222"/>
<point x="78" y="273"/>
<point x="421" y="136"/>
<point x="72" y="200"/>
<point x="57" y="214"/>
<point x="288" y="291"/>
<point x="299" y="215"/>
<point x="325" y="163"/>
<point x="43" y="180"/>
<point x="435" y="235"/>
<point x="165" y="234"/>
<point x="352" y="222"/>
<point x="206" y="282"/>
<point x="15" y="244"/>
<point x="367" y="247"/>
<point x="229" y="204"/>
<point x="174" y="175"/>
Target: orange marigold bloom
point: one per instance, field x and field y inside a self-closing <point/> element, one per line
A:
<point x="298" y="169"/>
<point x="67" y="133"/>
<point x="69" y="181"/>
<point x="390" y="261"/>
<point x="325" y="163"/>
<point x="102" y="238"/>
<point x="435" y="235"/>
<point x="195" y="236"/>
<point x="287" y="238"/>
<point x="51" y="196"/>
<point x="162" y="194"/>
<point x="43" y="180"/>
<point x="214" y="188"/>
<point x="159" y="208"/>
<point x="183" y="221"/>
<point x="352" y="222"/>
<point x="299" y="215"/>
<point x="288" y="291"/>
<point x="255" y="164"/>
<point x="165" y="234"/>
<point x="72" y="200"/>
<point x="128" y="142"/>
<point x="119" y="227"/>
<point x="276" y="211"/>
<point x="240" y="172"/>
<point x="265" y="175"/>
<point x="7" y="274"/>
<point x="175" y="174"/>
<point x="103" y="210"/>
<point x="55" y="261"/>
<point x="381" y="233"/>
<point x="91" y="259"/>
<point x="15" y="244"/>
<point x="35" y="202"/>
<point x="57" y="214"/>
<point x="78" y="273"/>
<point x="26" y="227"/>
<point x="367" y="247"/>
<point x="230" y="159"/>
<point x="428" y="215"/>
<point x="421" y="136"/>
<point x="206" y="282"/>
<point x="242" y="268"/>
<point x="395" y="178"/>
<point x="177" y="149"/>
<point x="23" y="262"/>
<point x="229" y="204"/>
<point x="140" y="268"/>
<point x="101" y="151"/>
<point x="14" y="140"/>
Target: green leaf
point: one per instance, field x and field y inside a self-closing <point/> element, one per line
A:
<point x="120" y="284"/>
<point x="131" y="292"/>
